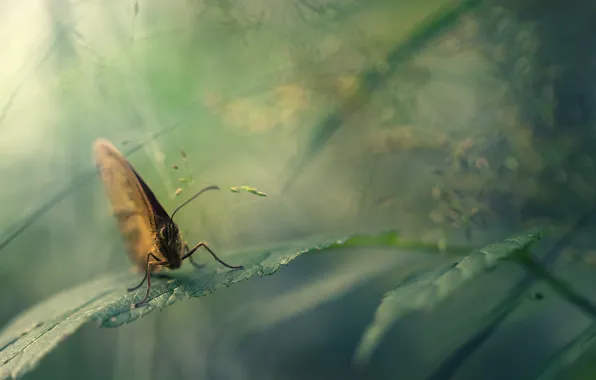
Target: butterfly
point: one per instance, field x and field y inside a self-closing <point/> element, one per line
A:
<point x="151" y="236"/>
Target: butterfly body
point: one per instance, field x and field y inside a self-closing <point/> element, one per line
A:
<point x="151" y="236"/>
<point x="170" y="244"/>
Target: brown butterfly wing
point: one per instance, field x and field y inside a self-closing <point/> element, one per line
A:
<point x="130" y="204"/>
<point x="159" y="215"/>
<point x="162" y="219"/>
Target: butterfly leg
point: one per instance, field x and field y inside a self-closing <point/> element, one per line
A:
<point x="198" y="266"/>
<point x="194" y="249"/>
<point x="147" y="277"/>
<point x="149" y="256"/>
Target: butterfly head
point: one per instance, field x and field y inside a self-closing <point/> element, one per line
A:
<point x="170" y="244"/>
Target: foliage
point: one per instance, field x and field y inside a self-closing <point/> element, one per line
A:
<point x="498" y="314"/>
<point x="568" y="354"/>
<point x="422" y="293"/>
<point x="36" y="332"/>
<point x="506" y="163"/>
<point x="370" y="79"/>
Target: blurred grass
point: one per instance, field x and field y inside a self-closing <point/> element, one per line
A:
<point x="248" y="83"/>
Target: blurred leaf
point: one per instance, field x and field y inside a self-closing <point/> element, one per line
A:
<point x="504" y="310"/>
<point x="580" y="345"/>
<point x="425" y="291"/>
<point x="329" y="285"/>
<point x="35" y="332"/>
<point x="569" y="353"/>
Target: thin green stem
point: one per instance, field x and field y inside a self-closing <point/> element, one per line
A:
<point x="559" y="286"/>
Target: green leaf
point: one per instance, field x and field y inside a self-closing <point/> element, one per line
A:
<point x="569" y="353"/>
<point x="576" y="348"/>
<point x="505" y="310"/>
<point x="423" y="292"/>
<point x="37" y="331"/>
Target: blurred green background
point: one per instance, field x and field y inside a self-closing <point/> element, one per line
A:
<point x="452" y="122"/>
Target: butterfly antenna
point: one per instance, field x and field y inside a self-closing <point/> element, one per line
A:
<point x="212" y="187"/>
